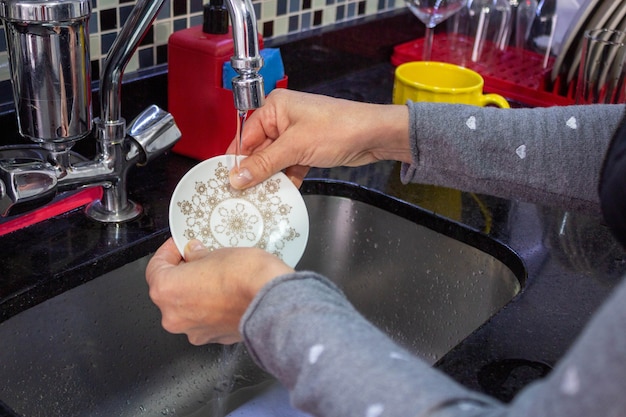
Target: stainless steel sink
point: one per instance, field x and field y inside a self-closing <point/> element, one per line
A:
<point x="99" y="349"/>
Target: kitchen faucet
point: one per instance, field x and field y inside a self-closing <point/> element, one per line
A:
<point x="48" y="48"/>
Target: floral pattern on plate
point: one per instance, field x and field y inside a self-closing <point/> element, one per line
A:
<point x="207" y="208"/>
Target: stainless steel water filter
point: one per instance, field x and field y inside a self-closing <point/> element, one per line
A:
<point x="48" y="44"/>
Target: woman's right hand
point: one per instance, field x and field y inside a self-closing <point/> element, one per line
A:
<point x="294" y="131"/>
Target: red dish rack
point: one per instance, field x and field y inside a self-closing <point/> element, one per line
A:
<point x="517" y="74"/>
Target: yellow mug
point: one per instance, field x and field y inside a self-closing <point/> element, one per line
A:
<point x="442" y="83"/>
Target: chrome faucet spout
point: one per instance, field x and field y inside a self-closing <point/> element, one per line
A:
<point x="110" y="127"/>
<point x="245" y="40"/>
<point x="248" y="91"/>
<point x="125" y="44"/>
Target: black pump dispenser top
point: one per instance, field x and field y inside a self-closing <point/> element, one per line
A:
<point x="215" y="18"/>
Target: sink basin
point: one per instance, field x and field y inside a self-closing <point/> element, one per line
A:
<point x="99" y="349"/>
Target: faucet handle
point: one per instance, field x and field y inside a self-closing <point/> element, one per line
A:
<point x="24" y="182"/>
<point x="155" y="131"/>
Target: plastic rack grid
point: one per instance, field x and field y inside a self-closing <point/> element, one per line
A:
<point x="517" y="74"/>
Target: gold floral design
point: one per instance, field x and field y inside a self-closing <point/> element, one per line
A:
<point x="220" y="216"/>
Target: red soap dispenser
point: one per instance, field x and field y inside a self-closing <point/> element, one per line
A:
<point x="203" y="110"/>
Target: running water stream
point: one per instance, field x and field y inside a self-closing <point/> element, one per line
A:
<point x="224" y="382"/>
<point x="241" y="118"/>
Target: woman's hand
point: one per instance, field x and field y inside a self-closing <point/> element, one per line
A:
<point x="294" y="131"/>
<point x="205" y="295"/>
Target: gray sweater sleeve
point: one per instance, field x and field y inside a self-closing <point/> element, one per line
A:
<point x="302" y="329"/>
<point x="545" y="156"/>
<point x="335" y="363"/>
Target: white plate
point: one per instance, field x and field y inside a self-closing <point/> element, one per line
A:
<point x="572" y="34"/>
<point x="271" y="215"/>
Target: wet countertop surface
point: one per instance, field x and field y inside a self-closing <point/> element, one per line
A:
<point x="572" y="261"/>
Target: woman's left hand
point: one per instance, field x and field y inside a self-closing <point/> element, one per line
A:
<point x="206" y="294"/>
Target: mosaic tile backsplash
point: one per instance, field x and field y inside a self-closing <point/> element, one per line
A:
<point x="275" y="18"/>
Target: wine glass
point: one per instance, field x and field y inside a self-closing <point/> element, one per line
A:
<point x="431" y="13"/>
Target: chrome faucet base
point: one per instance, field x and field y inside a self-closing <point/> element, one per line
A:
<point x="31" y="173"/>
<point x="98" y="212"/>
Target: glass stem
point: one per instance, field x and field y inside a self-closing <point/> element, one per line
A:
<point x="428" y="43"/>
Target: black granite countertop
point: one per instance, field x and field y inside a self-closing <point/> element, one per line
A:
<point x="572" y="261"/>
